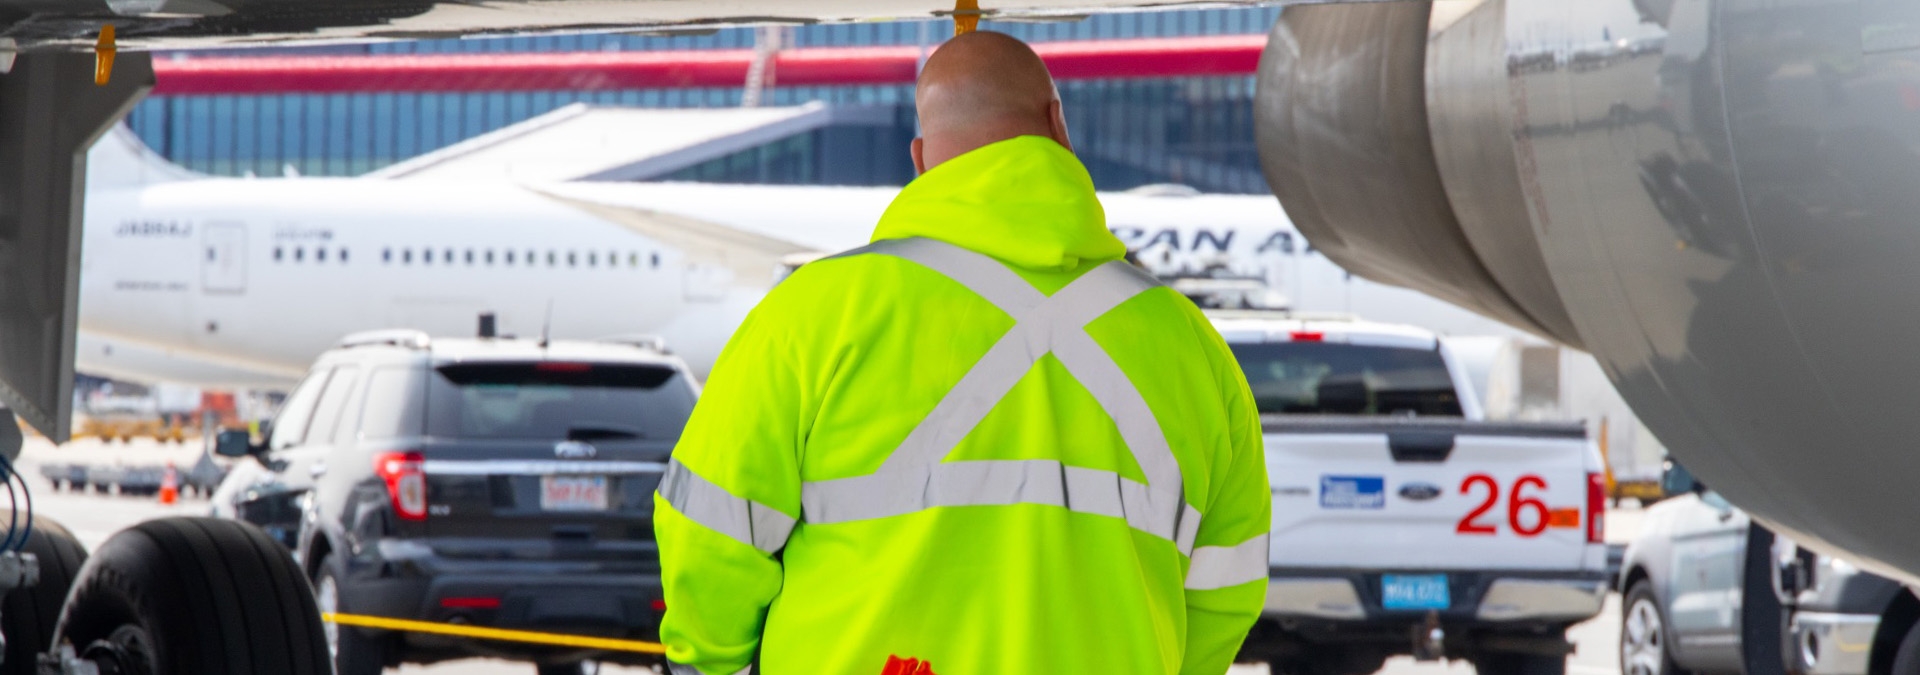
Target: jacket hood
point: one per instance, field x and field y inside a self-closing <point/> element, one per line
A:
<point x="1026" y="201"/>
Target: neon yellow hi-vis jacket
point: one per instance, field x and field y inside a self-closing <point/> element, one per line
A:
<point x="982" y="441"/>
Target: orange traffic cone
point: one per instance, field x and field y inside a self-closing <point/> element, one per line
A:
<point x="170" y="486"/>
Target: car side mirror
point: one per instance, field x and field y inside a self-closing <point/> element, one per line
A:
<point x="1676" y="480"/>
<point x="234" y="443"/>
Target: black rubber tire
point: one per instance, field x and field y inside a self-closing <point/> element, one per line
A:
<point x="1906" y="659"/>
<point x="360" y="652"/>
<point x="583" y="668"/>
<point x="205" y="596"/>
<point x="29" y="615"/>
<point x="1519" y="664"/>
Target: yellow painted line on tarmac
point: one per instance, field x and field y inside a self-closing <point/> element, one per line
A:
<point x="459" y="630"/>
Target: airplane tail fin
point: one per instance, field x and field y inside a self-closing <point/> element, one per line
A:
<point x="120" y="159"/>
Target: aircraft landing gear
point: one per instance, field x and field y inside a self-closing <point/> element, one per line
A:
<point x="189" y="595"/>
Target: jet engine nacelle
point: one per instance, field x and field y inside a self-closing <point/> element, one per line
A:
<point x="1719" y="198"/>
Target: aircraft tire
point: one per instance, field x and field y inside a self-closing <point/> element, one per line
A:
<point x="199" y="596"/>
<point x="28" y="615"/>
<point x="1906" y="659"/>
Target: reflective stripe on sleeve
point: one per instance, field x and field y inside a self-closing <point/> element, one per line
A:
<point x="748" y="522"/>
<point x="1223" y="566"/>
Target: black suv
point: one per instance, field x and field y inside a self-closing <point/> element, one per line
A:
<point x="490" y="482"/>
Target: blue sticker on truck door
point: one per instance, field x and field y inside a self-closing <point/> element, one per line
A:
<point x="1353" y="492"/>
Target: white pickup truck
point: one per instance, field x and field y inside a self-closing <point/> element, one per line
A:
<point x="1403" y="522"/>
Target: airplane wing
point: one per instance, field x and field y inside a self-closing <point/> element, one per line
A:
<point x="754" y="258"/>
<point x="611" y="143"/>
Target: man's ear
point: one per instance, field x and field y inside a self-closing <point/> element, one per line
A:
<point x="919" y="156"/>
<point x="1057" y="124"/>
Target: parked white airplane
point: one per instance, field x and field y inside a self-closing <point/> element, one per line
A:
<point x="241" y="282"/>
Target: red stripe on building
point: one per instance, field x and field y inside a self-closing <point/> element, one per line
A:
<point x="537" y="71"/>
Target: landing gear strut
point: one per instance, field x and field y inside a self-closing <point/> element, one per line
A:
<point x="50" y="113"/>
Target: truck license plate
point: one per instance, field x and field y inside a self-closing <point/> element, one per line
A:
<point x="1414" y="591"/>
<point x="573" y="493"/>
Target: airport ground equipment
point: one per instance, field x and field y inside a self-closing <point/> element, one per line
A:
<point x="1706" y="589"/>
<point x="452" y="498"/>
<point x="133" y="479"/>
<point x="1403" y="522"/>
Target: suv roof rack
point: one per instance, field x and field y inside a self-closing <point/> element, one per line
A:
<point x="643" y="341"/>
<point x="395" y="337"/>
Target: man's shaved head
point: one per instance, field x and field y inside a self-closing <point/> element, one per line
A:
<point x="982" y="88"/>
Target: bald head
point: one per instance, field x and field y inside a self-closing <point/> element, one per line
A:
<point x="982" y="88"/>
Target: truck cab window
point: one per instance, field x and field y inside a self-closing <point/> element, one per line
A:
<point x="1344" y="379"/>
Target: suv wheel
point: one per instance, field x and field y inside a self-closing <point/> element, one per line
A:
<point x="1643" y="635"/>
<point x="354" y="652"/>
<point x="1906" y="659"/>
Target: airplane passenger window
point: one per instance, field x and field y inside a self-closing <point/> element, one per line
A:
<point x="299" y="252"/>
<point x="343" y="254"/>
<point x="276" y="254"/>
<point x="469" y="256"/>
<point x="656" y="259"/>
<point x="633" y="260"/>
<point x="509" y="257"/>
<point x="386" y="255"/>
<point x="593" y="259"/>
<point x="406" y="255"/>
<point x="532" y="257"/>
<point x="448" y="259"/>
<point x="489" y="256"/>
<point x="551" y="258"/>
<point x="570" y="259"/>
<point x="320" y="255"/>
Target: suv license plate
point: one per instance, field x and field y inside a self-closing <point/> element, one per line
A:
<point x="1414" y="591"/>
<point x="573" y="493"/>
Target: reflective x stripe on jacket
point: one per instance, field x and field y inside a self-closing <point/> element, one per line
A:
<point x="914" y="477"/>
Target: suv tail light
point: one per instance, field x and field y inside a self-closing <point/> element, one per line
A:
<point x="1596" y="508"/>
<point x="406" y="480"/>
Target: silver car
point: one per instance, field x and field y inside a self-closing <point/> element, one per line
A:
<point x="1707" y="590"/>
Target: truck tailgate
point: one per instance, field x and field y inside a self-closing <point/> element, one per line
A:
<point x="1425" y="493"/>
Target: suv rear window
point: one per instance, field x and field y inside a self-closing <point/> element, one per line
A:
<point x="557" y="400"/>
<point x="1342" y="379"/>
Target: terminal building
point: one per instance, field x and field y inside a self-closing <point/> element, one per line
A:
<point x="1171" y="100"/>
